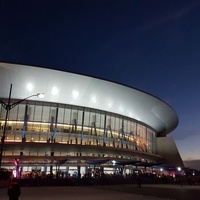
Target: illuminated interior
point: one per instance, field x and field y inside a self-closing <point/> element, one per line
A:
<point x="75" y="125"/>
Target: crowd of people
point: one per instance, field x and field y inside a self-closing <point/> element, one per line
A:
<point x="109" y="179"/>
<point x="35" y="178"/>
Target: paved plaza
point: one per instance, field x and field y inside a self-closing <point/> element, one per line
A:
<point x="108" y="192"/>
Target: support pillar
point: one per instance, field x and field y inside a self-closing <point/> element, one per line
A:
<point x="25" y="124"/>
<point x="104" y="135"/>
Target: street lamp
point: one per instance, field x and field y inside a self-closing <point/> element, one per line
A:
<point x="8" y="107"/>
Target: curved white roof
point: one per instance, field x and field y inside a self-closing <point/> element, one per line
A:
<point x="75" y="89"/>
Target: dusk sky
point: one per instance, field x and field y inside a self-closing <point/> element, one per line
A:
<point x="151" y="45"/>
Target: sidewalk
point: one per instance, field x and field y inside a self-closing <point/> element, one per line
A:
<point x="109" y="192"/>
<point x="167" y="191"/>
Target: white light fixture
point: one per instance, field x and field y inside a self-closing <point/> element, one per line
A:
<point x="113" y="162"/>
<point x="40" y="95"/>
<point x="54" y="91"/>
<point x="75" y="94"/>
<point x="179" y="169"/>
<point x="29" y="87"/>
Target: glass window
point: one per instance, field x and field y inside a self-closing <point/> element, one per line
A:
<point x="117" y="124"/>
<point x="13" y="113"/>
<point x="98" y="120"/>
<point x="133" y="128"/>
<point x="125" y="126"/>
<point x="60" y="115"/>
<point x="74" y="116"/>
<point x="102" y="121"/>
<point x="2" y="112"/>
<point x="112" y="122"/>
<point x="108" y="120"/>
<point x="79" y="120"/>
<point x="38" y="113"/>
<point x="21" y="112"/>
<point x="31" y="112"/>
<point x="53" y="114"/>
<point x="46" y="114"/>
<point x="87" y="118"/>
<point x="67" y="116"/>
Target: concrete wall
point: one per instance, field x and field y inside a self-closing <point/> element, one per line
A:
<point x="166" y="147"/>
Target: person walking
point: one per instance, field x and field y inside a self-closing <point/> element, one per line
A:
<point x="14" y="190"/>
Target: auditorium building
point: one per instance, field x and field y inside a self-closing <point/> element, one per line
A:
<point x="81" y="124"/>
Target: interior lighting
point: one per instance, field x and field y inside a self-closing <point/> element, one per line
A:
<point x="113" y="162"/>
<point x="29" y="87"/>
<point x="75" y="94"/>
<point x="179" y="169"/>
<point x="54" y="91"/>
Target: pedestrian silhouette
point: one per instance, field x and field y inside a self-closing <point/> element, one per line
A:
<point x="14" y="190"/>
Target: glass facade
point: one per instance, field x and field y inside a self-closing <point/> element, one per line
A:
<point x="43" y="122"/>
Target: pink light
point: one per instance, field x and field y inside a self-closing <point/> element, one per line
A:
<point x="14" y="173"/>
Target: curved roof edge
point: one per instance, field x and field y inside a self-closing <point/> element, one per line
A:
<point x="76" y="89"/>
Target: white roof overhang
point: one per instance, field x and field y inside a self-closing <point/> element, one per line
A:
<point x="75" y="89"/>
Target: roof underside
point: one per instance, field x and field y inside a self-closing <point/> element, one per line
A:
<point x="75" y="89"/>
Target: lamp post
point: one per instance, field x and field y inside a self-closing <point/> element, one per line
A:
<point x="9" y="107"/>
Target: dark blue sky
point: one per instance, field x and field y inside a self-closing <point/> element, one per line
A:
<point x="150" y="45"/>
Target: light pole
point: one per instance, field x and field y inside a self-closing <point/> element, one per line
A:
<point x="8" y="107"/>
